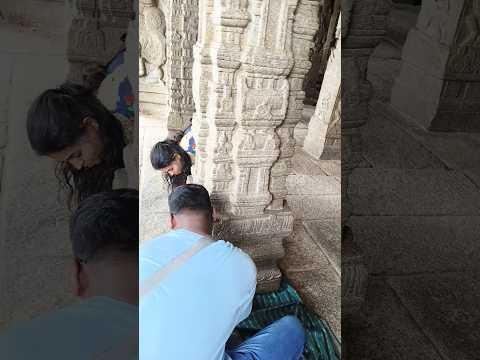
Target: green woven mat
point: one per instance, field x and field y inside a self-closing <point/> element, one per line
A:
<point x="267" y="308"/>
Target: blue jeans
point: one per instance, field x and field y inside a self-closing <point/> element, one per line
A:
<point x="282" y="340"/>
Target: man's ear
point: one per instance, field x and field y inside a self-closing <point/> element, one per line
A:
<point x="215" y="216"/>
<point x="172" y="222"/>
<point x="80" y="279"/>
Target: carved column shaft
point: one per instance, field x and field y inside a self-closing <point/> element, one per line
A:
<point x="250" y="62"/>
<point x="181" y="35"/>
<point x="304" y="25"/>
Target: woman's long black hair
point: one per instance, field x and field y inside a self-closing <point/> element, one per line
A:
<point x="55" y="122"/>
<point x="162" y="155"/>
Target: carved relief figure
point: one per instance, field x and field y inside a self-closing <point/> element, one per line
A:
<point x="152" y="47"/>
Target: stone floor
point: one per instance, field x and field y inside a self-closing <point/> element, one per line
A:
<point x="417" y="218"/>
<point x="312" y="261"/>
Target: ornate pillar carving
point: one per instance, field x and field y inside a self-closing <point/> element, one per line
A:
<point x="96" y="34"/>
<point x="181" y="34"/>
<point x="250" y="62"/>
<point x="168" y="32"/>
<point x="443" y="51"/>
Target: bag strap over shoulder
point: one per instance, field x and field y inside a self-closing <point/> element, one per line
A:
<point x="173" y="265"/>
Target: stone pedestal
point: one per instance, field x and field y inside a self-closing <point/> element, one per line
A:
<point x="250" y="63"/>
<point x="328" y="102"/>
<point x="438" y="85"/>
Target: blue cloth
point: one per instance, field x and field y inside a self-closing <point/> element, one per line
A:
<point x="191" y="314"/>
<point x="188" y="141"/>
<point x="321" y="343"/>
<point x="284" y="339"/>
<point x="125" y="96"/>
<point x="77" y="332"/>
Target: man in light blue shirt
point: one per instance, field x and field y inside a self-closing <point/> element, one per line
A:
<point x="104" y="323"/>
<point x="194" y="291"/>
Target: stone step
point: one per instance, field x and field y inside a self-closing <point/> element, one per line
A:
<point x="387" y="144"/>
<point x="409" y="192"/>
<point x="303" y="163"/>
<point x="326" y="233"/>
<point x="313" y="207"/>
<point x="314" y="187"/>
<point x="455" y="150"/>
<point x="301" y="184"/>
<point x="312" y="275"/>
<point x="398" y="245"/>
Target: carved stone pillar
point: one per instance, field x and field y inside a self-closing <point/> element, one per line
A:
<point x="327" y="104"/>
<point x="181" y="34"/>
<point x="250" y="62"/>
<point x="443" y="51"/>
<point x="363" y="25"/>
<point x="96" y="34"/>
<point x="168" y="32"/>
<point x="153" y="92"/>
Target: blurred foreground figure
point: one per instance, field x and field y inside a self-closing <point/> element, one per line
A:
<point x="104" y="235"/>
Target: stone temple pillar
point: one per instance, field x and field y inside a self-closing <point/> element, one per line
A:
<point x="443" y="51"/>
<point x="168" y="32"/>
<point x="250" y="62"/>
<point x="181" y="33"/>
<point x="327" y="104"/>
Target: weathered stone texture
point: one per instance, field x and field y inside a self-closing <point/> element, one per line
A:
<point x="168" y="32"/>
<point x="250" y="63"/>
<point x="328" y="104"/>
<point x="95" y="35"/>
